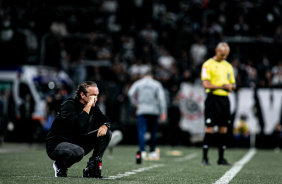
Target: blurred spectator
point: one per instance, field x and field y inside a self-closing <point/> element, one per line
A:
<point x="198" y="52"/>
<point x="266" y="80"/>
<point x="277" y="137"/>
<point x="127" y="48"/>
<point x="187" y="76"/>
<point x="241" y="132"/>
<point x="170" y="23"/>
<point x="241" y="28"/>
<point x="277" y="75"/>
<point x="59" y="96"/>
<point x="109" y="6"/>
<point x="166" y="60"/>
<point x="65" y="58"/>
<point x="149" y="34"/>
<point x="53" y="104"/>
<point x="251" y="78"/>
<point x="7" y="32"/>
<point x="215" y="27"/>
<point x="277" y="68"/>
<point x="277" y="79"/>
<point x="58" y="28"/>
<point x="162" y="74"/>
<point x="137" y="69"/>
<point x="103" y="53"/>
<point x="263" y="66"/>
<point x="113" y="24"/>
<point x="158" y="9"/>
<point x="32" y="45"/>
<point x="184" y="62"/>
<point x="79" y="69"/>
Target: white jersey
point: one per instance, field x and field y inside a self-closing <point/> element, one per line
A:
<point x="148" y="94"/>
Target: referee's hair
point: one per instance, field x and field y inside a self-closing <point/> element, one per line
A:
<point x="222" y="44"/>
<point x="83" y="88"/>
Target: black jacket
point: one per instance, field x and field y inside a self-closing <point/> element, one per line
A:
<point x="72" y="123"/>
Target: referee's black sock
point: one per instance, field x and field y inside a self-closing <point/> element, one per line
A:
<point x="221" y="145"/>
<point x="206" y="144"/>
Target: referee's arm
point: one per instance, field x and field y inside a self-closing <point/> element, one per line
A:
<point x="228" y="87"/>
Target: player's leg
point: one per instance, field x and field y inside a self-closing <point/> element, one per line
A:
<point x="209" y="113"/>
<point x="223" y="122"/>
<point x="65" y="155"/>
<point x="142" y="129"/>
<point x="206" y="144"/>
<point x="153" y="125"/>
<point x="222" y="137"/>
<point x="94" y="164"/>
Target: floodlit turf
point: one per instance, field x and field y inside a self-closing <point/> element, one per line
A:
<point x="29" y="164"/>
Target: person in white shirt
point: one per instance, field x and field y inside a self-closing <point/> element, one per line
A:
<point x="148" y="97"/>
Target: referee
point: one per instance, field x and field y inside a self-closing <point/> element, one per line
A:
<point x="218" y="79"/>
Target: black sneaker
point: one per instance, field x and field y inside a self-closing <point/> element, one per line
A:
<point x="205" y="162"/>
<point x="223" y="162"/>
<point x="89" y="173"/>
<point x="93" y="169"/>
<point x="59" y="172"/>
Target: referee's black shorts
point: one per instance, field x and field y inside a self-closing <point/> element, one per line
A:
<point x="217" y="110"/>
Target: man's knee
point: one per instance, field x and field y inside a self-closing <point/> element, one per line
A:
<point x="209" y="129"/>
<point x="78" y="153"/>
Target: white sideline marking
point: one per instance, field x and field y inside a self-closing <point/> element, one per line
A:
<point x="116" y="176"/>
<point x="187" y="157"/>
<point x="227" y="177"/>
<point x="134" y="171"/>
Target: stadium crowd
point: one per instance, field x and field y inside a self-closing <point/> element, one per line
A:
<point x="131" y="36"/>
<point x="113" y="42"/>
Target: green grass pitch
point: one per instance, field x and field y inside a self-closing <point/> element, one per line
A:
<point x="20" y="163"/>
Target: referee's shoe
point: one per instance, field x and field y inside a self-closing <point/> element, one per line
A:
<point x="223" y="162"/>
<point x="205" y="162"/>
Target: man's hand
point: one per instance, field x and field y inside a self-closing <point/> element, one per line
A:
<point x="163" y="117"/>
<point x="92" y="100"/>
<point x="228" y="87"/>
<point x="102" y="131"/>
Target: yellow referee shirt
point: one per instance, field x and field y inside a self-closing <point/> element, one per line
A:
<point x="218" y="73"/>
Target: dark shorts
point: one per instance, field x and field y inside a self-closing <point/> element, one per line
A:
<point x="217" y="110"/>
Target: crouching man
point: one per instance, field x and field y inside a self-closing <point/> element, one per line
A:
<point x="72" y="134"/>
